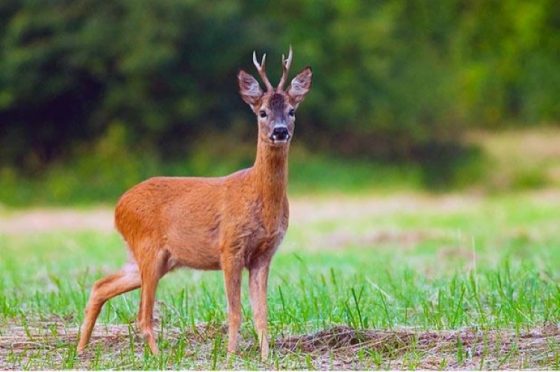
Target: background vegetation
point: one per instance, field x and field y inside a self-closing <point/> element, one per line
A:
<point x="408" y="96"/>
<point x="104" y="94"/>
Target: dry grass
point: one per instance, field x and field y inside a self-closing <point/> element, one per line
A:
<point x="48" y="220"/>
<point x="340" y="347"/>
<point x="462" y="349"/>
<point x="525" y="158"/>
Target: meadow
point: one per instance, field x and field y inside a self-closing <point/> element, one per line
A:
<point x="424" y="179"/>
<point x="403" y="280"/>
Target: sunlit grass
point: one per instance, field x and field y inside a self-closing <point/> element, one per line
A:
<point x="486" y="264"/>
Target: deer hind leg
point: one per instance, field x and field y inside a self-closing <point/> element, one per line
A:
<point x="113" y="285"/>
<point x="258" y="282"/>
<point x="152" y="270"/>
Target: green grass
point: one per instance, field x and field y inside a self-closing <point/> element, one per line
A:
<point x="486" y="264"/>
<point x="498" y="162"/>
<point x="96" y="179"/>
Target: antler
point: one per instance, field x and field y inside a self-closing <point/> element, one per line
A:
<point x="261" y="70"/>
<point x="286" y="63"/>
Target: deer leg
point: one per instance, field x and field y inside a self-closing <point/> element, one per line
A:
<point x="150" y="279"/>
<point x="232" y="277"/>
<point x="152" y="271"/>
<point x="139" y="316"/>
<point x="123" y="281"/>
<point x="258" y="282"/>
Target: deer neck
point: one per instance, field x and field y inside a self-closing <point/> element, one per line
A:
<point x="271" y="173"/>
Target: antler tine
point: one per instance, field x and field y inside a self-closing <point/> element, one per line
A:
<point x="286" y="63"/>
<point x="261" y="70"/>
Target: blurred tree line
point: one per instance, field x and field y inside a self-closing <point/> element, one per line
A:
<point x="393" y="79"/>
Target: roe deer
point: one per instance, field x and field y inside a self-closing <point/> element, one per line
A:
<point x="224" y="223"/>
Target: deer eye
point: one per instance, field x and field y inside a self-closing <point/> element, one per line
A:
<point x="262" y="114"/>
<point x="292" y="112"/>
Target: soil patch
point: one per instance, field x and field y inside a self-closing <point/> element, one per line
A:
<point x="52" y="344"/>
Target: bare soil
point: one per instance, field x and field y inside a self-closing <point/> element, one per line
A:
<point x="62" y="219"/>
<point x="340" y="347"/>
<point x="302" y="210"/>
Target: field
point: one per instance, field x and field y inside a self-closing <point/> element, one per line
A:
<point x="371" y="281"/>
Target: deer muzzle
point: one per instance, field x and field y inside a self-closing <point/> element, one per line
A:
<point x="280" y="133"/>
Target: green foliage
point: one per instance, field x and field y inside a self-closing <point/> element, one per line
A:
<point x="101" y="177"/>
<point x="98" y="173"/>
<point x="391" y="77"/>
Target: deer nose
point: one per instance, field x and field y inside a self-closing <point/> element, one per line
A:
<point x="280" y="134"/>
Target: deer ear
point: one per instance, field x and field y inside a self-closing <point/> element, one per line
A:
<point x="300" y="86"/>
<point x="249" y="89"/>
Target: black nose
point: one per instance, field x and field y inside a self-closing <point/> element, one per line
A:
<point x="280" y="134"/>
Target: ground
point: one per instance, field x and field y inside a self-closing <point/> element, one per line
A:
<point x="395" y="281"/>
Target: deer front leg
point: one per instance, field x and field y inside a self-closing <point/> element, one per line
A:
<point x="232" y="277"/>
<point x="258" y="283"/>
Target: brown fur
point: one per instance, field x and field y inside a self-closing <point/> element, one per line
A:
<point x="226" y="223"/>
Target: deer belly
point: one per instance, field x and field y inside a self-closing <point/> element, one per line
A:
<point x="199" y="257"/>
<point x="198" y="251"/>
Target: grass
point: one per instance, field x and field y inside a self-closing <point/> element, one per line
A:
<point x="408" y="281"/>
<point x="521" y="159"/>
<point x="89" y="182"/>
<point x="100" y="172"/>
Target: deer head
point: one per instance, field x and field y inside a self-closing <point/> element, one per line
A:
<point x="275" y="108"/>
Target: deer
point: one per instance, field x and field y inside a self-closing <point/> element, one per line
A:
<point x="228" y="223"/>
